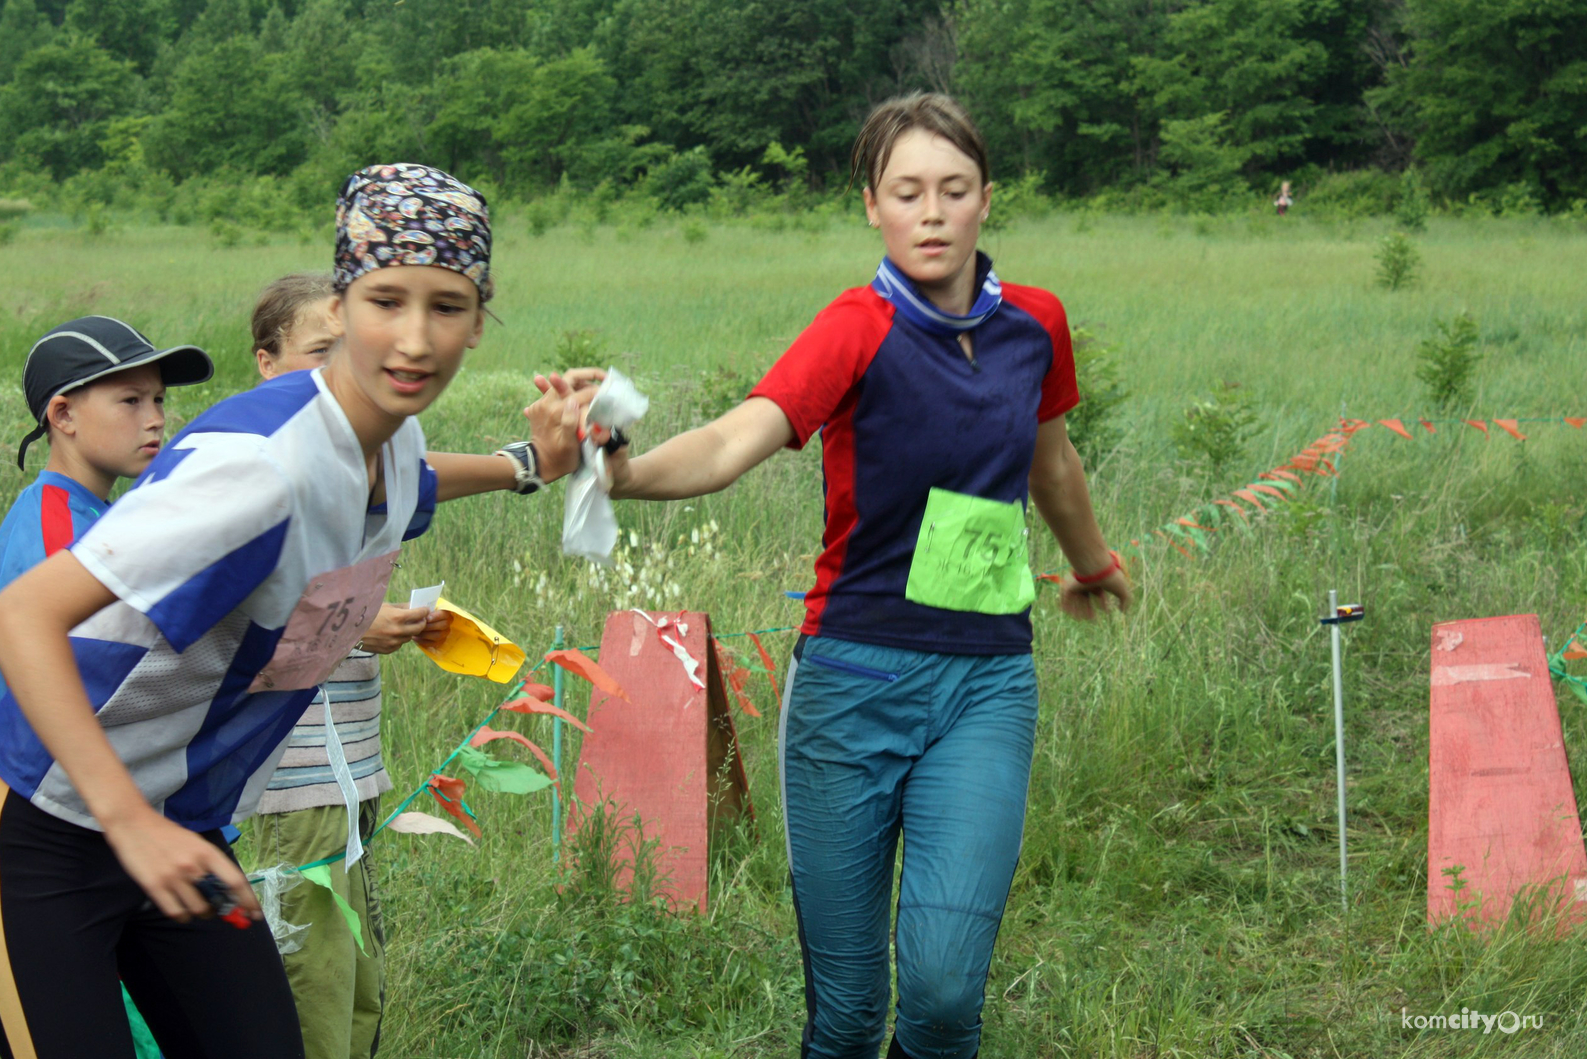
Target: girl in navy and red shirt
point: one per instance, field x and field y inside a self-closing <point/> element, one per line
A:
<point x="939" y="393"/>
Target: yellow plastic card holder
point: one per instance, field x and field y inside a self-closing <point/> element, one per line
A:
<point x="473" y="648"/>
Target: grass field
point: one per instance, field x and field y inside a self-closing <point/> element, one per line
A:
<point x="1177" y="894"/>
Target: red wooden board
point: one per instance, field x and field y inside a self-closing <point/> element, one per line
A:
<point x="1501" y="802"/>
<point x="668" y="752"/>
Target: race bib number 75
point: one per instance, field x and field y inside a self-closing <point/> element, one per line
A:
<point x="972" y="555"/>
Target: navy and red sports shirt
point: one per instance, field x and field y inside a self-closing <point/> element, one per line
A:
<point x="901" y="411"/>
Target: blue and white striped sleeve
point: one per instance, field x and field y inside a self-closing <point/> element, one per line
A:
<point x="191" y="542"/>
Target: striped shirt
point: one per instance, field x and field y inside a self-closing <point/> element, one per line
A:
<point x="304" y="779"/>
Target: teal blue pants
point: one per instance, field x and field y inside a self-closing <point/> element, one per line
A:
<point x="878" y="741"/>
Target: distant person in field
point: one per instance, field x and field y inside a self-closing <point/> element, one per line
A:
<point x="155" y="668"/>
<point x="939" y="393"/>
<point x="338" y="989"/>
<point x="1284" y="200"/>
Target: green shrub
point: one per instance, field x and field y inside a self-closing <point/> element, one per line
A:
<point x="1215" y="428"/>
<point x="96" y="220"/>
<point x="682" y="180"/>
<point x="1446" y="364"/>
<point x="1202" y="165"/>
<point x="226" y="233"/>
<point x="1015" y="200"/>
<point x="541" y="215"/>
<point x="1093" y="424"/>
<point x="580" y="348"/>
<point x="1398" y="261"/>
<point x="1414" y="204"/>
<point x="1355" y="193"/>
<point x="1518" y="200"/>
<point x="8" y="231"/>
<point x="693" y="230"/>
<point x="13" y="208"/>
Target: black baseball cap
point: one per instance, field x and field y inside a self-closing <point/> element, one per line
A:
<point x="89" y="348"/>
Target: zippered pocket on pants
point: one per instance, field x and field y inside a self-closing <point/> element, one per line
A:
<point x="851" y="667"/>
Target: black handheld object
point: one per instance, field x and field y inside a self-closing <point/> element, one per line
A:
<point x="615" y="442"/>
<point x="220" y="898"/>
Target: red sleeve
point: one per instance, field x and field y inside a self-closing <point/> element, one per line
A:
<point x="810" y="381"/>
<point x="55" y="519"/>
<point x="1060" y="391"/>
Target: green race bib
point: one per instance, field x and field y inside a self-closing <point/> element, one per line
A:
<point x="972" y="555"/>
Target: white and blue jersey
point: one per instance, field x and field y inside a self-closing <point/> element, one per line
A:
<point x="246" y="562"/>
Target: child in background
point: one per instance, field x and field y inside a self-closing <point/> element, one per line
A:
<point x="155" y="669"/>
<point x="1284" y="200"/>
<point x="96" y="388"/>
<point x="340" y="991"/>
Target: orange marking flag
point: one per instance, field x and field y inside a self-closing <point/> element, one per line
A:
<point x="1502" y="808"/>
<point x="448" y="791"/>
<point x="1396" y="426"/>
<point x="1479" y="424"/>
<point x="1238" y="510"/>
<point x="582" y="665"/>
<point x="1576" y="422"/>
<point x="771" y="667"/>
<point x="1510" y="427"/>
<point x="533" y="705"/>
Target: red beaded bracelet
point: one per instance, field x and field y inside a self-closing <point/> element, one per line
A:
<point x="1101" y="575"/>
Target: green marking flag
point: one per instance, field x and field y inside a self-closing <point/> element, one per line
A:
<point x="320" y="875"/>
<point x="511" y="777"/>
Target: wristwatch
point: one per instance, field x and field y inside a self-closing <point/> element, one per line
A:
<point x="526" y="463"/>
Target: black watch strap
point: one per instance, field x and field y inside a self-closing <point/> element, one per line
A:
<point x="526" y="476"/>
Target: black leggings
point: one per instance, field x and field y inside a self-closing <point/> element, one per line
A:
<point x="74" y="926"/>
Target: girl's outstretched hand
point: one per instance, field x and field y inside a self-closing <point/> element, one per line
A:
<point x="1085" y="602"/>
<point x="166" y="859"/>
<point x="554" y="419"/>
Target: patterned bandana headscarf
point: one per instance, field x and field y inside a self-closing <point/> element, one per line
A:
<point x="892" y="284"/>
<point x="406" y="214"/>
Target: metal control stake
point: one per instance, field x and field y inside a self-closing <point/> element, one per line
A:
<point x="556" y="755"/>
<point x="1336" y="617"/>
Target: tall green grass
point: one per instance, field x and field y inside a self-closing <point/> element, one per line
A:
<point x="1178" y="894"/>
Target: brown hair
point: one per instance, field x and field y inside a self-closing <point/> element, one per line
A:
<point x="932" y="111"/>
<point x="282" y="302"/>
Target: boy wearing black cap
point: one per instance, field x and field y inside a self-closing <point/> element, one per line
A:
<point x="96" y="387"/>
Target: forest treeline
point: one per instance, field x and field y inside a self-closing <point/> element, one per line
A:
<point x="1194" y="103"/>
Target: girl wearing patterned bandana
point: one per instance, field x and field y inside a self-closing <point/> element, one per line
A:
<point x="338" y="987"/>
<point x="939" y="393"/>
<point x="155" y="668"/>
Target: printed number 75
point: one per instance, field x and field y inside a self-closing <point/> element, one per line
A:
<point x="337" y="616"/>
